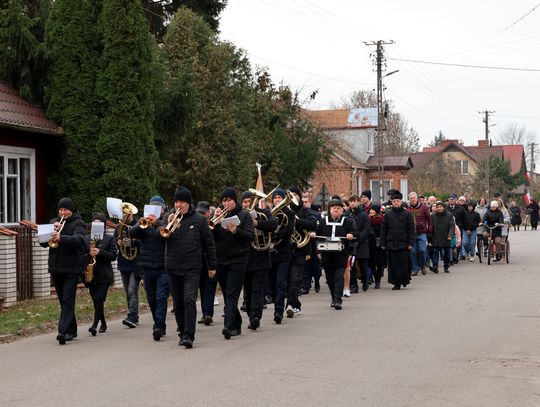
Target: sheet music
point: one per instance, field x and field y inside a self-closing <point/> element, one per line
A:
<point x="45" y="232"/>
<point x="97" y="231"/>
<point x="114" y="208"/>
<point x="233" y="220"/>
<point x="152" y="210"/>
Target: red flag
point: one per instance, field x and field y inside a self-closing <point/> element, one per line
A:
<point x="527" y="198"/>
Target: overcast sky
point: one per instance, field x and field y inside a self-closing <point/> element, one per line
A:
<point x="318" y="45"/>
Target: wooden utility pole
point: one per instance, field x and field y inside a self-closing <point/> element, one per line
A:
<point x="486" y="114"/>
<point x="531" y="168"/>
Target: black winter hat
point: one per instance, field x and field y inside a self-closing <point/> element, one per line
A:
<point x="279" y="192"/>
<point x="335" y="202"/>
<point x="246" y="195"/>
<point x="376" y="208"/>
<point x="183" y="194"/>
<point x="396" y="195"/>
<point x="367" y="194"/>
<point x="67" y="203"/>
<point x="391" y="192"/>
<point x="296" y="190"/>
<point x="229" y="192"/>
<point x="99" y="216"/>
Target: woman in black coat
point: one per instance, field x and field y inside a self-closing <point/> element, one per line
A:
<point x="377" y="256"/>
<point x="397" y="237"/>
<point x="515" y="215"/>
<point x="104" y="253"/>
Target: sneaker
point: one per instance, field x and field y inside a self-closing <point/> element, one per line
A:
<point x="216" y="301"/>
<point x="297" y="311"/>
<point x="254" y="324"/>
<point x="130" y="324"/>
<point x="208" y="320"/>
<point x="472" y="259"/>
<point x="346" y="292"/>
<point x="278" y="318"/>
<point x="289" y="312"/>
<point x="338" y="306"/>
<point x="423" y="270"/>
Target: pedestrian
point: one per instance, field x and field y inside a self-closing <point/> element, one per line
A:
<point x="515" y="215"/>
<point x="397" y="238"/>
<point x="359" y="268"/>
<point x="423" y="226"/>
<point x="457" y="209"/>
<point x="377" y="256"/>
<point x="535" y="215"/>
<point x="472" y="222"/>
<point x="443" y="233"/>
<point x="494" y="219"/>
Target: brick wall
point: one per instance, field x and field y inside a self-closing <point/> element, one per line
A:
<point x="40" y="272"/>
<point x="338" y="178"/>
<point x="8" y="270"/>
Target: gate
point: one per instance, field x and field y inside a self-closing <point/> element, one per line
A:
<point x="25" y="277"/>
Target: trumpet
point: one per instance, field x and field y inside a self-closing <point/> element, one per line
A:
<point x="174" y="224"/>
<point x="143" y="223"/>
<point x="53" y="243"/>
<point x="216" y="220"/>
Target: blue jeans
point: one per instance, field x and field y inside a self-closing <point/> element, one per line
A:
<point x="469" y="242"/>
<point x="156" y="285"/>
<point x="130" y="281"/>
<point x="462" y="249"/>
<point x="447" y="255"/>
<point x="418" y="252"/>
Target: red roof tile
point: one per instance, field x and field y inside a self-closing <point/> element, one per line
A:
<point x="15" y="112"/>
<point x="514" y="154"/>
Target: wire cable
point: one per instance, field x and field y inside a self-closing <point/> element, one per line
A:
<point x="502" y="68"/>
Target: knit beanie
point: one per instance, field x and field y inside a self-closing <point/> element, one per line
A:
<point x="158" y="201"/>
<point x="229" y="192"/>
<point x="67" y="203"/>
<point x="246" y="195"/>
<point x="99" y="216"/>
<point x="367" y="194"/>
<point x="183" y="194"/>
<point x="296" y="190"/>
<point x="396" y="195"/>
<point x="376" y="208"/>
<point x="279" y="192"/>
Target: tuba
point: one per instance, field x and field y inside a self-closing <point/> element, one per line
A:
<point x="262" y="240"/>
<point x="300" y="237"/>
<point x="174" y="224"/>
<point x="53" y="243"/>
<point x="127" y="251"/>
<point x="277" y="212"/>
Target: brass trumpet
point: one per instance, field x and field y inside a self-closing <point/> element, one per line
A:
<point x="174" y="224"/>
<point x="216" y="220"/>
<point x="143" y="223"/>
<point x="53" y="243"/>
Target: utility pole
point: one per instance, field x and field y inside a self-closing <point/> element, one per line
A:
<point x="486" y="114"/>
<point x="381" y="124"/>
<point x="531" y="168"/>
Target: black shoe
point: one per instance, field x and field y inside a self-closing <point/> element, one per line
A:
<point x="338" y="306"/>
<point x="268" y="300"/>
<point x="434" y="269"/>
<point x="201" y="321"/>
<point x="354" y="290"/>
<point x="226" y="333"/>
<point x="92" y="330"/>
<point x="243" y="308"/>
<point x="254" y="324"/>
<point x="317" y="287"/>
<point x="414" y="274"/>
<point x="446" y="270"/>
<point x="187" y="343"/>
<point x="332" y="304"/>
<point x="278" y="318"/>
<point x="304" y="291"/>
<point x="102" y="328"/>
<point x="396" y="287"/>
<point x="61" y="338"/>
<point x="129" y="323"/>
<point x="157" y="334"/>
<point x="236" y="332"/>
<point x="70" y="337"/>
<point x="208" y="320"/>
<point x="365" y="286"/>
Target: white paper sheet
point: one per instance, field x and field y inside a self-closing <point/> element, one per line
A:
<point x="114" y="208"/>
<point x="152" y="210"/>
<point x="45" y="232"/>
<point x="233" y="220"/>
<point x="97" y="231"/>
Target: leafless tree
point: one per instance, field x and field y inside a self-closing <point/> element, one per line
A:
<point x="515" y="133"/>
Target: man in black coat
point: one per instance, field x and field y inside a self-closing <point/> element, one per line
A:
<point x="184" y="252"/>
<point x="443" y="232"/>
<point x="152" y="266"/>
<point x="66" y="265"/>
<point x="460" y="215"/>
<point x="259" y="263"/>
<point x="361" y="221"/>
<point x="232" y="248"/>
<point x="397" y="237"/>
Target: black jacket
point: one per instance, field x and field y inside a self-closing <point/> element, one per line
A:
<point x="233" y="248"/>
<point x="397" y="230"/>
<point x="185" y="248"/>
<point x="444" y="228"/>
<point x="361" y="220"/>
<point x="459" y="213"/>
<point x="152" y="246"/>
<point x="336" y="260"/>
<point x="67" y="258"/>
<point x="282" y="252"/>
<point x="305" y="220"/>
<point x="103" y="271"/>
<point x="472" y="220"/>
<point x="260" y="260"/>
<point x="492" y="217"/>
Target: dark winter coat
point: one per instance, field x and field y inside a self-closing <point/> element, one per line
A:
<point x="68" y="257"/>
<point x="233" y="248"/>
<point x="422" y="218"/>
<point x="397" y="230"/>
<point x="305" y="221"/>
<point x="377" y="255"/>
<point x="361" y="221"/>
<point x="189" y="244"/>
<point x="493" y="217"/>
<point x="534" y="208"/>
<point x="515" y="213"/>
<point x="344" y="227"/>
<point x="152" y="246"/>
<point x="282" y="252"/>
<point x="444" y="228"/>
<point x="261" y="260"/>
<point x="472" y="220"/>
<point x="103" y="271"/>
<point x="459" y="214"/>
<point x="123" y="264"/>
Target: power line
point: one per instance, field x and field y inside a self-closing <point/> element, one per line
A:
<point x="467" y="66"/>
<point x="519" y="19"/>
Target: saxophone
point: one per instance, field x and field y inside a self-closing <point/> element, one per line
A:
<point x="89" y="272"/>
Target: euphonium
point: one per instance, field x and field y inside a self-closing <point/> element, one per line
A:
<point x="126" y="250"/>
<point x="262" y="240"/>
<point x="174" y="224"/>
<point x="216" y="220"/>
<point x="300" y="237"/>
<point x="89" y="272"/>
<point x="53" y="243"/>
<point x="277" y="212"/>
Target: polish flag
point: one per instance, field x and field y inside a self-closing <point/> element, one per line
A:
<point x="527" y="198"/>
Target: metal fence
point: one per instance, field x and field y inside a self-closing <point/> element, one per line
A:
<point x="23" y="241"/>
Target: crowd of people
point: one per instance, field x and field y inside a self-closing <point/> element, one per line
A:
<point x="271" y="248"/>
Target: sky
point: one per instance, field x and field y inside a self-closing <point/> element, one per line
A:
<point x="319" y="45"/>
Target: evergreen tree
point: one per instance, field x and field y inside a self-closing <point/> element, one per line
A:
<point x="125" y="89"/>
<point x="72" y="41"/>
<point x="437" y="140"/>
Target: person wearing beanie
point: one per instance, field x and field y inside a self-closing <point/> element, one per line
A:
<point x="460" y="215"/>
<point x="305" y="223"/>
<point x="281" y="256"/>
<point x="397" y="238"/>
<point x="232" y="250"/>
<point x="259" y="262"/>
<point x="492" y="217"/>
<point x="66" y="261"/>
<point x="336" y="225"/>
<point x="359" y="269"/>
<point x="152" y="266"/>
<point x="104" y="251"/>
<point x="443" y="233"/>
<point x="377" y="256"/>
<point x="187" y="249"/>
<point x="423" y="227"/>
<point x="365" y="201"/>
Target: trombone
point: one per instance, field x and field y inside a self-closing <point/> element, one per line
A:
<point x="173" y="224"/>
<point x="53" y="243"/>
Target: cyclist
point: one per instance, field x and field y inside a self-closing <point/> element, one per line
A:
<point x="494" y="217"/>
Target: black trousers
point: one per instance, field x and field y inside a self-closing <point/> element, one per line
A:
<point x="335" y="281"/>
<point x="184" y="292"/>
<point x="254" y="292"/>
<point x="296" y="272"/>
<point x="231" y="278"/>
<point x="66" y="290"/>
<point x="98" y="292"/>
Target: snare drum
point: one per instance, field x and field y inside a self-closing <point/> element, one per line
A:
<point x="330" y="247"/>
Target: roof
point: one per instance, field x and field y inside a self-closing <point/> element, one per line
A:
<point x="515" y="154"/>
<point x="422" y="158"/>
<point x="481" y="153"/>
<point x="398" y="162"/>
<point x="329" y="119"/>
<point x="15" y="112"/>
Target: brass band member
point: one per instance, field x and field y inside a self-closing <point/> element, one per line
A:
<point x="259" y="263"/>
<point x="232" y="247"/>
<point x="281" y="256"/>
<point x="184" y="253"/>
<point x="152" y="266"/>
<point x="104" y="252"/>
<point x="305" y="222"/>
<point x="66" y="265"/>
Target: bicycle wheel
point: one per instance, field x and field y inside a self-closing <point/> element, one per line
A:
<point x="480" y="248"/>
<point x="507" y="251"/>
<point x="489" y="254"/>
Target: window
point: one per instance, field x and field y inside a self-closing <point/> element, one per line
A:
<point x="17" y="184"/>
<point x="464" y="167"/>
<point x="375" y="189"/>
<point x="404" y="183"/>
<point x="370" y="141"/>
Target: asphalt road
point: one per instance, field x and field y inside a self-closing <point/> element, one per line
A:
<point x="467" y="338"/>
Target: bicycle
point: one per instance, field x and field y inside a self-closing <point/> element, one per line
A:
<point x="505" y="249"/>
<point x="527" y="218"/>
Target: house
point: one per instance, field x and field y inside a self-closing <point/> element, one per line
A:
<point x="29" y="149"/>
<point x="353" y="168"/>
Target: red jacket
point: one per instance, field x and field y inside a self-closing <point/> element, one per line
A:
<point x="422" y="218"/>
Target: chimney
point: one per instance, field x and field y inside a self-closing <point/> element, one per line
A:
<point x="483" y="143"/>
